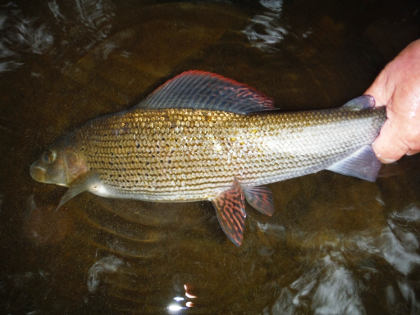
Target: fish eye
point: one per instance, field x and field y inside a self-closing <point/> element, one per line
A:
<point x="49" y="156"/>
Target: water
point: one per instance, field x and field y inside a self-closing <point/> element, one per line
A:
<point x="335" y="245"/>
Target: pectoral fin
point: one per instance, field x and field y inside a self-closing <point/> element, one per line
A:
<point x="80" y="185"/>
<point x="230" y="210"/>
<point x="260" y="198"/>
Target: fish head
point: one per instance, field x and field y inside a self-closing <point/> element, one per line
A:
<point x="60" y="164"/>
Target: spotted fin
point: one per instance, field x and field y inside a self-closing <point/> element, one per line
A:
<point x="260" y="198"/>
<point x="230" y="210"/>
<point x="360" y="103"/>
<point x="80" y="185"/>
<point x="204" y="90"/>
<point x="362" y="164"/>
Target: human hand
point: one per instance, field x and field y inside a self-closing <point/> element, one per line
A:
<point x="398" y="88"/>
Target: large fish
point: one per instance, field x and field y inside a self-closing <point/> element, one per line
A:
<point x="201" y="136"/>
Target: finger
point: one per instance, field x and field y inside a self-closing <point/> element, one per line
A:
<point x="381" y="88"/>
<point x="389" y="147"/>
<point x="379" y="99"/>
<point x="412" y="152"/>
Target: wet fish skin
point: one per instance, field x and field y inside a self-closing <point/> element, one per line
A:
<point x="188" y="155"/>
<point x="204" y="137"/>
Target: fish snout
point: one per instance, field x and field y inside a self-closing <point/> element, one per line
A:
<point x="37" y="172"/>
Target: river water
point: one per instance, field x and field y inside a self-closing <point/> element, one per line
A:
<point x="335" y="245"/>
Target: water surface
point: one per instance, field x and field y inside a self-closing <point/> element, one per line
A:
<point x="335" y="245"/>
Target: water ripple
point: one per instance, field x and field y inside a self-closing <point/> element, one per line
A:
<point x="337" y="291"/>
<point x="85" y="23"/>
<point x="332" y="285"/>
<point x="274" y="5"/>
<point x="410" y="214"/>
<point x="105" y="265"/>
<point x="264" y="31"/>
<point x="21" y="34"/>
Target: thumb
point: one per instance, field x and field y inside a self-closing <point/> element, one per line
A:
<point x="389" y="146"/>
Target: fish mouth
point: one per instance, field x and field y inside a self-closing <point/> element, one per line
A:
<point x="37" y="172"/>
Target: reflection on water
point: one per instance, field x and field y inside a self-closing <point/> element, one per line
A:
<point x="335" y="245"/>
<point x="85" y="23"/>
<point x="99" y="270"/>
<point x="182" y="302"/>
<point x="44" y="225"/>
<point x="20" y="35"/>
<point x="265" y="30"/>
<point x="274" y="5"/>
<point x="90" y="19"/>
<point x="336" y="284"/>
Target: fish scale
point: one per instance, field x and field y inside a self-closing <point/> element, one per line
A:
<point x="187" y="154"/>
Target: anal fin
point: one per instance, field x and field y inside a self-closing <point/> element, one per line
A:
<point x="260" y="198"/>
<point x="230" y="210"/>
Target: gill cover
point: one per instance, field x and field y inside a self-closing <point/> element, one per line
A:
<point x="61" y="164"/>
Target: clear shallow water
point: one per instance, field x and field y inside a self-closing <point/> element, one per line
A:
<point x="335" y="245"/>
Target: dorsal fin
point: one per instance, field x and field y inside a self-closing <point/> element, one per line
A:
<point x="205" y="90"/>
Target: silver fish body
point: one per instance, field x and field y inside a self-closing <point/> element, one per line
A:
<point x="188" y="155"/>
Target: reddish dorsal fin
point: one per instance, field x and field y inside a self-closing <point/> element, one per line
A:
<point x="260" y="198"/>
<point x="205" y="90"/>
<point x="230" y="210"/>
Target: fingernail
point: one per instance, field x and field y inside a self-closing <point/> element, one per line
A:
<point x="387" y="161"/>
